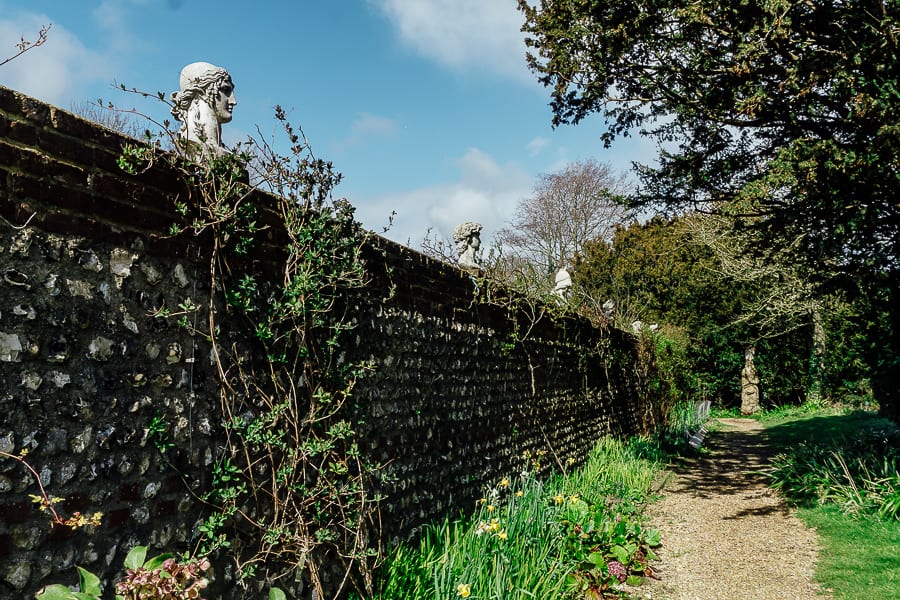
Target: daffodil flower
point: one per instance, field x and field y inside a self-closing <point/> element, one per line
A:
<point x="464" y="590"/>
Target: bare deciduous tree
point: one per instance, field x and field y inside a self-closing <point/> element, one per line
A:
<point x="567" y="209"/>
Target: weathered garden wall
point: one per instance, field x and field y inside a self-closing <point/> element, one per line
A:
<point x="88" y="368"/>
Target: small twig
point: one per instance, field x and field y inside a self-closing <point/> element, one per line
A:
<point x="24" y="45"/>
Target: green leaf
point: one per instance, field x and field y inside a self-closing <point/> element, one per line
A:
<point x="596" y="558"/>
<point x="55" y="592"/>
<point x="276" y="594"/>
<point x="85" y="596"/>
<point x="157" y="561"/>
<point x="634" y="580"/>
<point x="653" y="537"/>
<point x="135" y="558"/>
<point x="89" y="583"/>
<point x="620" y="553"/>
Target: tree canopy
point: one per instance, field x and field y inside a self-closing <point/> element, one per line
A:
<point x="782" y="114"/>
<point x="787" y="108"/>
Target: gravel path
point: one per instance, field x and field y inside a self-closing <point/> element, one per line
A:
<point x="725" y="534"/>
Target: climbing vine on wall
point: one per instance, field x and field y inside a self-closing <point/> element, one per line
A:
<point x="290" y="491"/>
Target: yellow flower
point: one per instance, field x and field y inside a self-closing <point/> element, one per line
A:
<point x="490" y="508"/>
<point x="502" y="535"/>
<point x="23" y="452"/>
<point x="464" y="590"/>
<point x="574" y="498"/>
<point x="482" y="501"/>
<point x="559" y="499"/>
<point x="495" y="525"/>
<point x="504" y="482"/>
<point x="520" y="493"/>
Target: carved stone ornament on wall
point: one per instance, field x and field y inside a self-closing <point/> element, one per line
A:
<point x="468" y="242"/>
<point x="205" y="101"/>
<point x="563" y="283"/>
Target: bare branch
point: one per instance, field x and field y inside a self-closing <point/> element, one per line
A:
<point x="24" y="45"/>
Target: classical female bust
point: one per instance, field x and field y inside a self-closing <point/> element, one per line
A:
<point x="205" y="101"/>
<point x="468" y="240"/>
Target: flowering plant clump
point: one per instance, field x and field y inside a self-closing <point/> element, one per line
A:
<point x="609" y="543"/>
<point x="171" y="581"/>
<point x="159" y="578"/>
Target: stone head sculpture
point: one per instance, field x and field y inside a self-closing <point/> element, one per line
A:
<point x="468" y="240"/>
<point x="562" y="283"/>
<point x="205" y="101"/>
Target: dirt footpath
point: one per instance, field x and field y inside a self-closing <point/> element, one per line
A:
<point x="725" y="534"/>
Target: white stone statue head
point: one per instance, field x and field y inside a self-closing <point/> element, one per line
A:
<point x="562" y="283"/>
<point x="468" y="241"/>
<point x="205" y="101"/>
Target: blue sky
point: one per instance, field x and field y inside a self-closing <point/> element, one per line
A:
<point x="425" y="106"/>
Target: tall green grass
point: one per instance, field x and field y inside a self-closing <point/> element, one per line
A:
<point x="534" y="539"/>
<point x="850" y="461"/>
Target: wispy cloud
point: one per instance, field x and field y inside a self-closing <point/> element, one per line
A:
<point x="463" y="34"/>
<point x="56" y="71"/>
<point x="113" y="17"/>
<point x="537" y="145"/>
<point x="367" y="126"/>
<point x="485" y="191"/>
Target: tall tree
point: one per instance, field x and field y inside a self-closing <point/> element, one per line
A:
<point x="784" y="109"/>
<point x="660" y="272"/>
<point x="582" y="202"/>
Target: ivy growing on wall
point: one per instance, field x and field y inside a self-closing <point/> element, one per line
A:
<point x="291" y="491"/>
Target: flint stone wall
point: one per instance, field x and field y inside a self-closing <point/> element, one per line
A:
<point x="87" y="365"/>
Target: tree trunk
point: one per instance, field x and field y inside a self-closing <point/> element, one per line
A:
<point x="817" y="375"/>
<point x="886" y="370"/>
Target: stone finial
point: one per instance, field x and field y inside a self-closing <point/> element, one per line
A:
<point x="563" y="281"/>
<point x="205" y="101"/>
<point x="468" y="241"/>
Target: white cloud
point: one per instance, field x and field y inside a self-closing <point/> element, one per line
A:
<point x="113" y="16"/>
<point x="367" y="126"/>
<point x="55" y="72"/>
<point x="537" y="145"/>
<point x="486" y="192"/>
<point x="463" y="34"/>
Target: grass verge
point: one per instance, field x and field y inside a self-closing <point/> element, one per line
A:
<point x="859" y="558"/>
<point x="841" y="469"/>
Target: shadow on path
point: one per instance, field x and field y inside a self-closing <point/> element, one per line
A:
<point x="721" y="526"/>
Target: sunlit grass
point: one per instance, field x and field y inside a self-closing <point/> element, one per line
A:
<point x="524" y="537"/>
<point x="859" y="558"/>
<point x="843" y="466"/>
